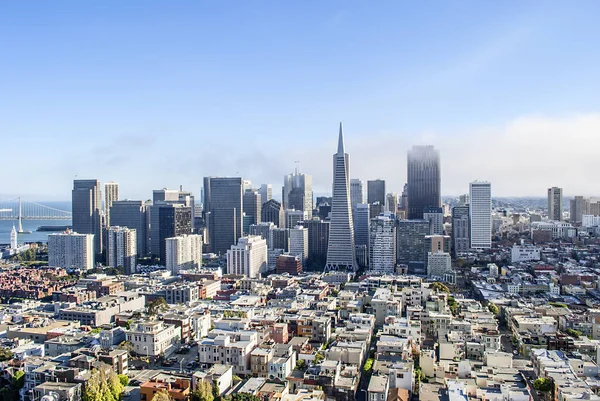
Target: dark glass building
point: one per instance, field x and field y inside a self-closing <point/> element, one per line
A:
<point x="132" y="214"/>
<point x="376" y="191"/>
<point x="272" y="211"/>
<point x="460" y="229"/>
<point x="423" y="186"/>
<point x="86" y="210"/>
<point x="223" y="208"/>
<point x="173" y="221"/>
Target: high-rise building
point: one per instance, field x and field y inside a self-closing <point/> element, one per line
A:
<point x="410" y="241"/>
<point x="460" y="229"/>
<point x="121" y="247"/>
<point x="404" y="198"/>
<point x="266" y="193"/>
<point x="423" y="172"/>
<point x="340" y="251"/>
<point x="376" y="191"/>
<point x="252" y="207"/>
<point x="435" y="217"/>
<point x="376" y="208"/>
<point x="357" y="193"/>
<point x="132" y="214"/>
<point x="297" y="192"/>
<point x="293" y="217"/>
<point x="272" y="211"/>
<point x="289" y="264"/>
<point x="223" y="198"/>
<point x="183" y="252"/>
<point x="555" y="204"/>
<point x="362" y="221"/>
<point x="382" y="244"/>
<point x="280" y="238"/>
<point x="86" y="206"/>
<point x="579" y="206"/>
<point x="164" y="195"/>
<point x="318" y="236"/>
<point x="437" y="243"/>
<point x="248" y="257"/>
<point x="480" y="214"/>
<point x="111" y="194"/>
<point x="173" y="221"/>
<point x="463" y="200"/>
<point x="391" y="202"/>
<point x="299" y="242"/>
<point x="13" y="238"/>
<point x="265" y="230"/>
<point x="71" y="250"/>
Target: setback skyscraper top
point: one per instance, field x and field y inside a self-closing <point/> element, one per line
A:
<point x="340" y="250"/>
<point x="423" y="171"/>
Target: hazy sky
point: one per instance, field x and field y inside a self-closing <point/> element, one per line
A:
<point x="156" y="94"/>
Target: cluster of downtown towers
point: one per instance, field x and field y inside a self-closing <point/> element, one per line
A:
<point x="340" y="230"/>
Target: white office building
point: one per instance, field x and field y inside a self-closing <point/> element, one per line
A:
<point x="299" y="242"/>
<point x="438" y="263"/>
<point x="249" y="257"/>
<point x="71" y="250"/>
<point x="382" y="244"/>
<point x="183" y="252"/>
<point x="480" y="213"/>
<point x="122" y="248"/>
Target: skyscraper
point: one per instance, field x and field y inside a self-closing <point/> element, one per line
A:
<point x="579" y="206"/>
<point x="357" y="193"/>
<point x="71" y="250"/>
<point x="173" y="221"/>
<point x="266" y="193"/>
<point x="299" y="242"/>
<point x="391" y="202"/>
<point x="272" y="211"/>
<point x="251" y="206"/>
<point x="111" y="194"/>
<point x="223" y="199"/>
<point x="362" y="219"/>
<point x="132" y="214"/>
<point x="121" y="248"/>
<point x="376" y="191"/>
<point x="297" y="192"/>
<point x="183" y="252"/>
<point x="248" y="257"/>
<point x="340" y="251"/>
<point x="423" y="173"/>
<point x="555" y="204"/>
<point x="86" y="206"/>
<point x="480" y="214"/>
<point x="435" y="217"/>
<point x="382" y="244"/>
<point x="460" y="229"/>
<point x="410" y="244"/>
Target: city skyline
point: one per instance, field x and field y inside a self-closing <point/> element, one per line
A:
<point x="112" y="90"/>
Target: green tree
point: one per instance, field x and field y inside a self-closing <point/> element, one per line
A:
<point x="5" y="354"/>
<point x="162" y="395"/>
<point x="301" y="364"/>
<point x="19" y="379"/>
<point x="319" y="358"/>
<point x="244" y="397"/>
<point x="493" y="308"/>
<point x="103" y="386"/>
<point x="123" y="379"/>
<point x="543" y="384"/>
<point x="573" y="332"/>
<point x="204" y="392"/>
<point x="453" y="305"/>
<point x="368" y="367"/>
<point x="236" y="379"/>
<point x="156" y="306"/>
<point x="440" y="287"/>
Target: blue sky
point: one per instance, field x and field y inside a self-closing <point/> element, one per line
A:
<point x="159" y="94"/>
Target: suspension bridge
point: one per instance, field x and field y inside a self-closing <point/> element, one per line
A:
<point x="16" y="209"/>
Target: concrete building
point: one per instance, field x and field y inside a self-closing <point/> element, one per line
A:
<point x="357" y="193"/>
<point x="460" y="229"/>
<point x="265" y="230"/>
<point x="555" y="204"/>
<point x="318" y="236"/>
<point x="111" y="194"/>
<point x="382" y="244"/>
<point x="362" y="224"/>
<point x="266" y="193"/>
<point x="248" y="257"/>
<point x="71" y="250"/>
<point x="299" y="242"/>
<point x="272" y="211"/>
<point x="132" y="214"/>
<point x="376" y="191"/>
<point x="122" y="248"/>
<point x="435" y="217"/>
<point x="183" y="252"/>
<point x="438" y="263"/>
<point x="232" y="349"/>
<point x="86" y="210"/>
<point x="480" y="214"/>
<point x="152" y="338"/>
<point x="410" y="241"/>
<point x="579" y="206"/>
<point x="392" y="203"/>
<point x="293" y="217"/>
<point x="281" y="239"/>
<point x="524" y="253"/>
<point x="223" y="211"/>
<point x="252" y="208"/>
<point x="423" y="180"/>
<point x="297" y="193"/>
<point x="340" y="250"/>
<point x="173" y="221"/>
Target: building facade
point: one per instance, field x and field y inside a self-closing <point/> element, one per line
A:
<point x="111" y="194"/>
<point x="460" y="229"/>
<point x="376" y="191"/>
<point x="555" y="203"/>
<point x="223" y="210"/>
<point x="248" y="257"/>
<point x="122" y="248"/>
<point x="86" y="210"/>
<point x="132" y="214"/>
<point x="183" y="252"/>
<point x="173" y="221"/>
<point x="299" y="242"/>
<point x="272" y="211"/>
<point x="382" y="244"/>
<point x="71" y="250"/>
<point x="297" y="192"/>
<point x="357" y="193"/>
<point x="480" y="214"/>
<point x="424" y="180"/>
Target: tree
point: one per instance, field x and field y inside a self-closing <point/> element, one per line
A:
<point x="204" y="392"/>
<point x="103" y="386"/>
<point x="236" y="379"/>
<point x="162" y="395"/>
<point x="440" y="287"/>
<point x="573" y="332"/>
<point x="319" y="358"/>
<point x="301" y="364"/>
<point x="543" y="384"/>
<point x="123" y="379"/>
<point x="19" y="379"/>
<point x="493" y="308"/>
<point x="156" y="306"/>
<point x="453" y="305"/>
<point x="5" y="354"/>
<point x="368" y="367"/>
<point x="244" y="397"/>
